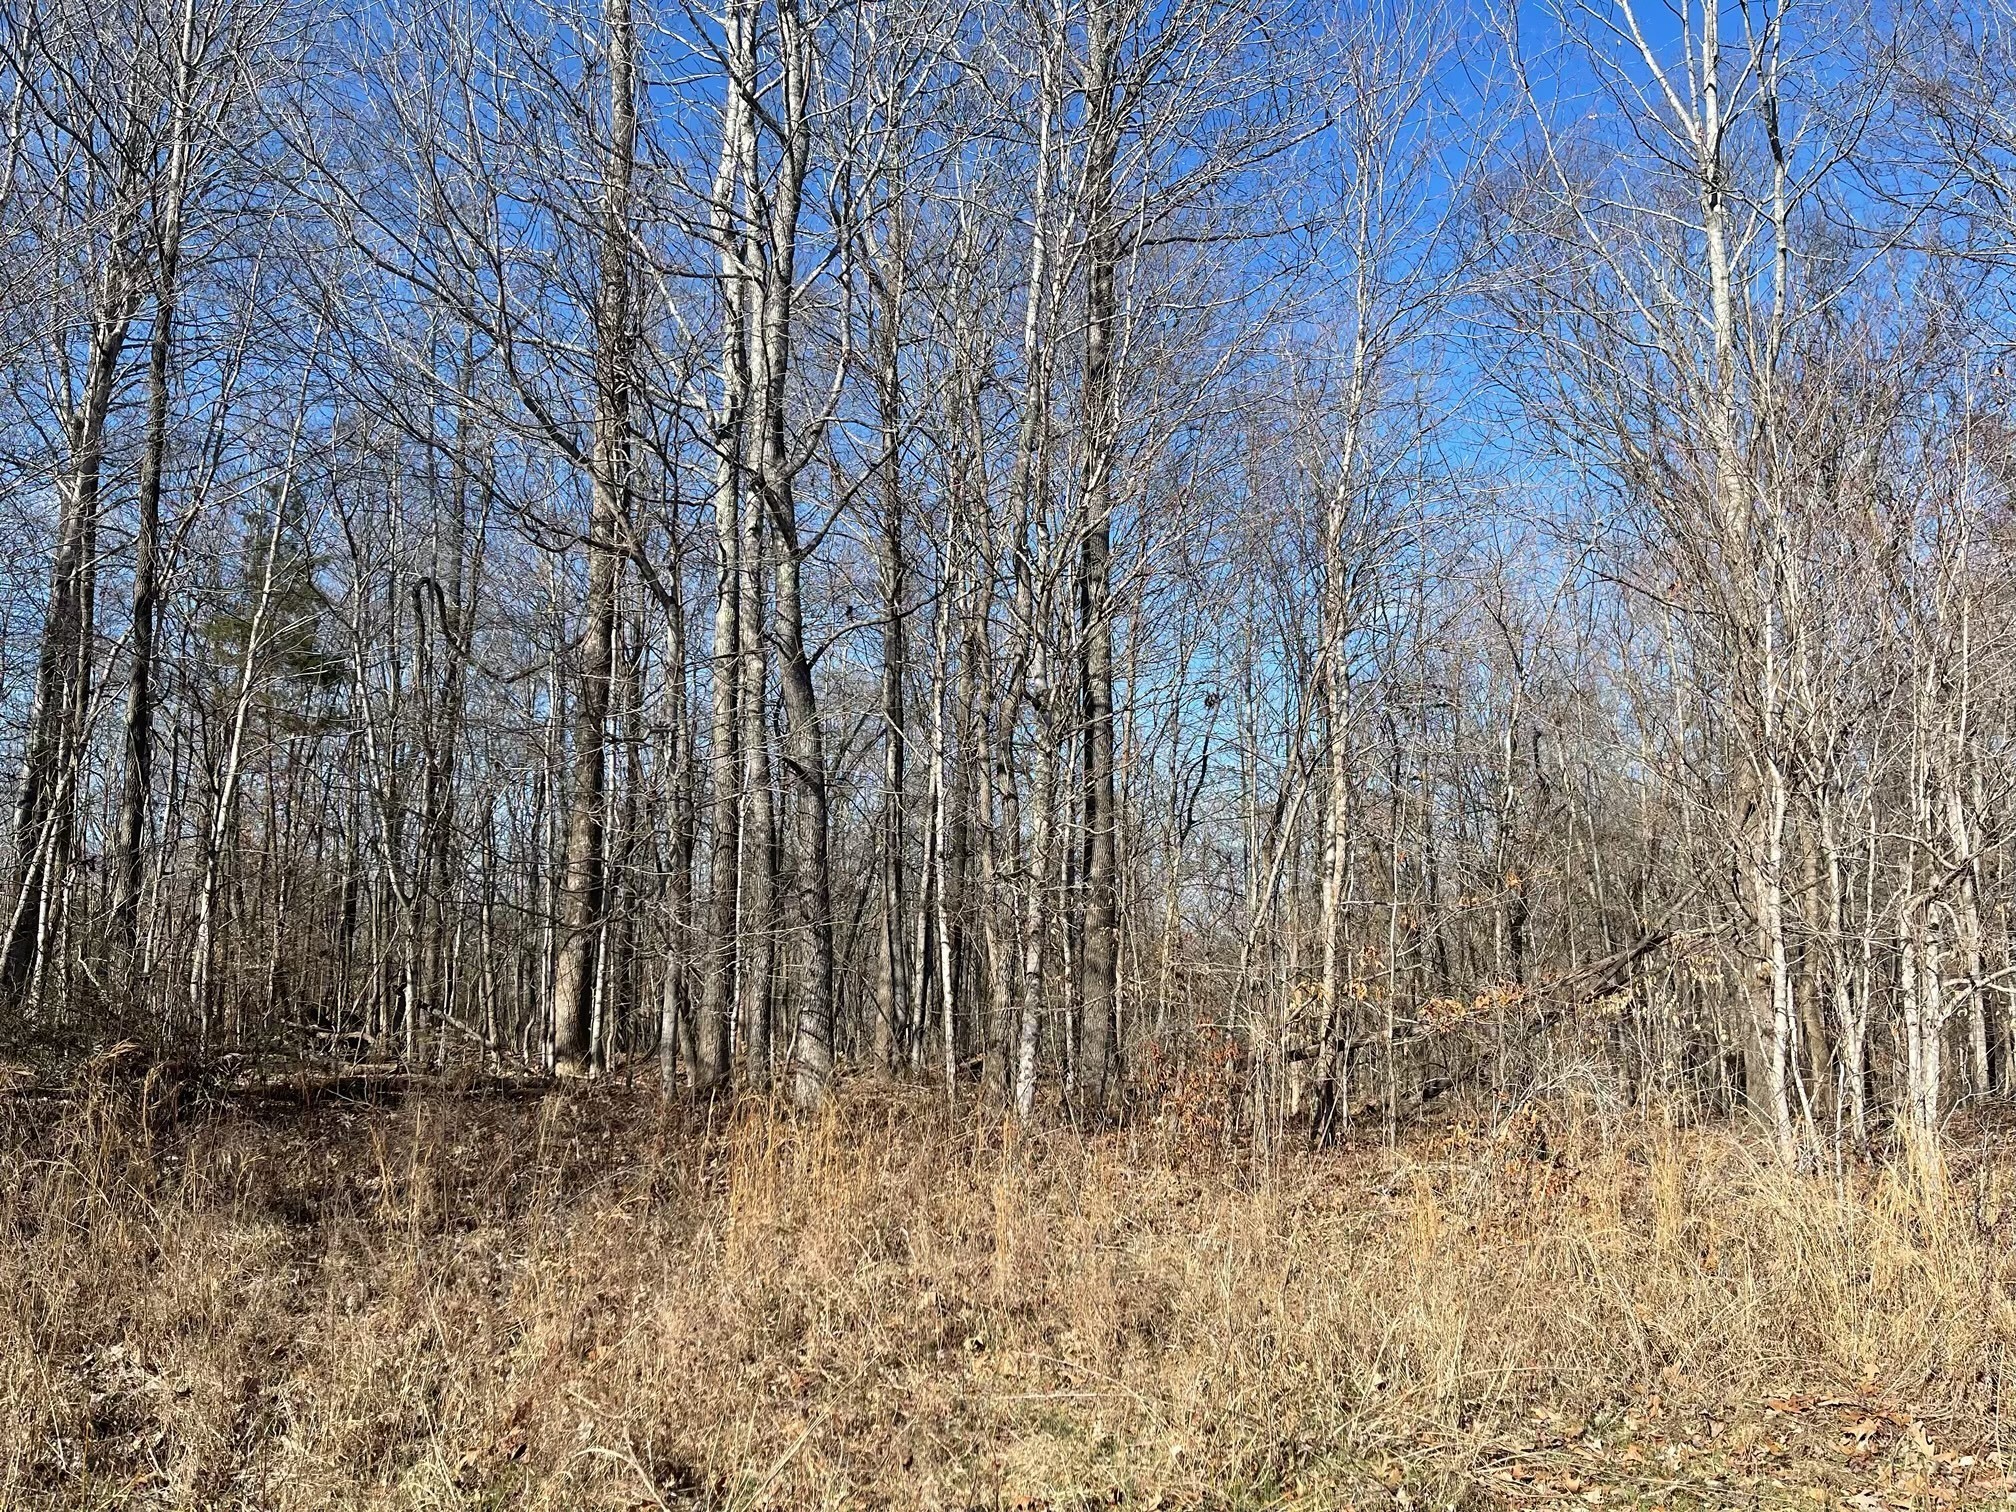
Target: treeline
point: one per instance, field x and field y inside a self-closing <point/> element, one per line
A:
<point x="1074" y="550"/>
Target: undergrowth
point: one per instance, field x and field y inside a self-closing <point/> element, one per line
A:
<point x="501" y="1298"/>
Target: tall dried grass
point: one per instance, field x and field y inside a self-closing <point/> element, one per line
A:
<point x="565" y="1302"/>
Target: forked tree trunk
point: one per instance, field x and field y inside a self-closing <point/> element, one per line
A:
<point x="805" y="745"/>
<point x="136" y="780"/>
<point x="47" y="792"/>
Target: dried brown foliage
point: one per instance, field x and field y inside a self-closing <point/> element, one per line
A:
<point x="498" y="1298"/>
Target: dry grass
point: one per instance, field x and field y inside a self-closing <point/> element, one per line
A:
<point x="503" y="1301"/>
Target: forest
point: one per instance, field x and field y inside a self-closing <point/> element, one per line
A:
<point x="916" y="678"/>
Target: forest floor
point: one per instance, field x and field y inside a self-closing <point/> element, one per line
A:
<point x="488" y="1296"/>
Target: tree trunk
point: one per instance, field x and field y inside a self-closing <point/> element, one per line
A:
<point x="1099" y="959"/>
<point x="584" y="882"/>
<point x="718" y="960"/>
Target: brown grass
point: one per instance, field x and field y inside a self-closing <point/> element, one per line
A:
<point x="498" y="1300"/>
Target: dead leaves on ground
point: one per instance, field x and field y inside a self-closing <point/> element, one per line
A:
<point x="1859" y="1453"/>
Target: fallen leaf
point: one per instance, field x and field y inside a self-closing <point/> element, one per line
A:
<point x="1919" y="1440"/>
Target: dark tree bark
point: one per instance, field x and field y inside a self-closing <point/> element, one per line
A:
<point x="1099" y="958"/>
